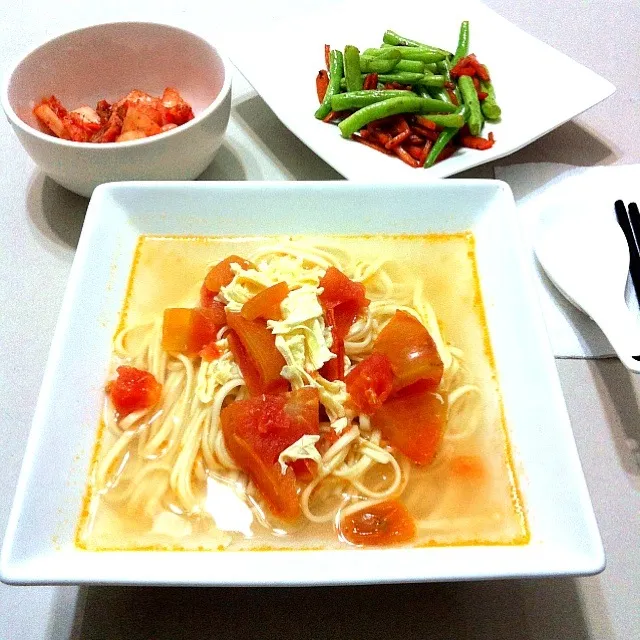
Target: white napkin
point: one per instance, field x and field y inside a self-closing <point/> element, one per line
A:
<point x="536" y="186"/>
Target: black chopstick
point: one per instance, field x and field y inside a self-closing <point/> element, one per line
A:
<point x="630" y="224"/>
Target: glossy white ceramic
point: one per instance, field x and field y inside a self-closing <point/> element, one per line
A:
<point x="572" y="237"/>
<point x="282" y="60"/>
<point x="39" y="543"/>
<point x="108" y="61"/>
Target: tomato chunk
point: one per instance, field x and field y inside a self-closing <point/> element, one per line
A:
<point x="210" y="352"/>
<point x="370" y="382"/>
<point x="338" y="288"/>
<point x="257" y="357"/>
<point x="133" y="390"/>
<point x="266" y="304"/>
<point x="342" y="300"/>
<point x="346" y="297"/>
<point x="258" y="430"/>
<point x="411" y="350"/>
<point x="221" y="275"/>
<point x="188" y="331"/>
<point x="413" y="422"/>
<point x="214" y="309"/>
<point x="382" y="524"/>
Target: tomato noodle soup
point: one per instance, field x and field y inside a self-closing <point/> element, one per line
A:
<point x="306" y="392"/>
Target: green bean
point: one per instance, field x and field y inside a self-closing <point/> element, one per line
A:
<point x="413" y="66"/>
<point x="352" y="68"/>
<point x="470" y="99"/>
<point x="444" y="138"/>
<point x="444" y="67"/>
<point x="423" y="91"/>
<point x="430" y="80"/>
<point x="382" y="53"/>
<point x="370" y="64"/>
<point x="392" y="38"/>
<point x="405" y="77"/>
<point x="390" y="107"/>
<point x="447" y="121"/>
<point x="489" y="106"/>
<point x="336" y="69"/>
<point x="360" y="99"/>
<point x="463" y="43"/>
<point x="409" y="53"/>
<point x="439" y="93"/>
<point x="403" y="65"/>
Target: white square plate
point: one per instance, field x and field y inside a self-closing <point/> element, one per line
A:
<point x="39" y="544"/>
<point x="281" y="61"/>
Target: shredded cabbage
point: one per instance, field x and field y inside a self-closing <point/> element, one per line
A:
<point x="304" y="447"/>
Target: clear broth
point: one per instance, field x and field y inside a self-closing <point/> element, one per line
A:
<point x="449" y="509"/>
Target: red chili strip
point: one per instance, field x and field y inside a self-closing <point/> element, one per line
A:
<point x="424" y="122"/>
<point x="398" y="139"/>
<point x="322" y="82"/>
<point x="425" y="152"/>
<point x="370" y="82"/>
<point x="336" y="116"/>
<point x="415" y="151"/>
<point x="425" y="133"/>
<point x="449" y="150"/>
<point x="476" y="142"/>
<point x="405" y="157"/>
<point x="373" y="145"/>
<point x="377" y="135"/>
<point x="327" y="50"/>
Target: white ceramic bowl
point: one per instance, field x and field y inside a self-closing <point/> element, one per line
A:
<point x="39" y="544"/>
<point x="107" y="61"/>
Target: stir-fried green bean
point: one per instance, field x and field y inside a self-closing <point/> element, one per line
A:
<point x="352" y="68"/>
<point x="393" y="38"/>
<point x="371" y="64"/>
<point x="439" y="93"/>
<point x="404" y="77"/>
<point x="444" y="139"/>
<point x="409" y="53"/>
<point x="437" y="98"/>
<point x="490" y="108"/>
<point x="336" y="69"/>
<point x="444" y="67"/>
<point x="447" y="120"/>
<point x="413" y="66"/>
<point x="384" y="109"/>
<point x="359" y="99"/>
<point x="463" y="44"/>
<point x="470" y="99"/>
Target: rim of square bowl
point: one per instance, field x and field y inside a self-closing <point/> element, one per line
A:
<point x="17" y="121"/>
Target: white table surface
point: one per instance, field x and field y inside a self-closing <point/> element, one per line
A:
<point x="39" y="228"/>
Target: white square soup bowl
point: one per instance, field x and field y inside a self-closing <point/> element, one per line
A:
<point x="39" y="544"/>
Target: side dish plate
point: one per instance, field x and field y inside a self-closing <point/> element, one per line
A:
<point x="39" y="543"/>
<point x="281" y="62"/>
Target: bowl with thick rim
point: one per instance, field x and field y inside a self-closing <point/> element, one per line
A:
<point x="107" y="61"/>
